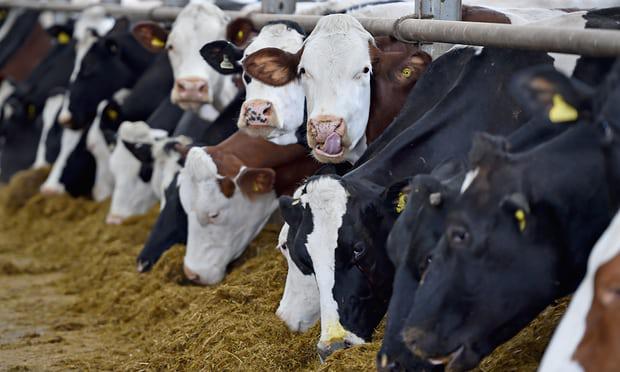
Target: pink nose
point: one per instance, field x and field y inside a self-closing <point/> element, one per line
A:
<point x="50" y="191"/>
<point x="257" y="112"/>
<point x="64" y="118"/>
<point x="114" y="219"/>
<point x="323" y="125"/>
<point x="192" y="88"/>
<point x="189" y="274"/>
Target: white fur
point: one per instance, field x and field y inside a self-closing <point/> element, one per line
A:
<point x="544" y="4"/>
<point x="165" y="166"/>
<point x="219" y="228"/>
<point x="559" y="353"/>
<point x="334" y="57"/>
<point x="69" y="140"/>
<point x="50" y="110"/>
<point x="6" y="89"/>
<point x="469" y="179"/>
<point x="131" y="195"/>
<point x="98" y="147"/>
<point x="287" y="101"/>
<point x="200" y="22"/>
<point x="300" y="306"/>
<point x="328" y="201"/>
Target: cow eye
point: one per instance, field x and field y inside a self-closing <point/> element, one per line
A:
<point x="284" y="246"/>
<point x="406" y="72"/>
<point x="366" y="70"/>
<point x="457" y="235"/>
<point x="169" y="47"/>
<point x="214" y="215"/>
<point x="302" y="71"/>
<point x="359" y="250"/>
<point x="247" y="78"/>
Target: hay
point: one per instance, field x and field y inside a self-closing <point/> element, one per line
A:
<point x="23" y="186"/>
<point x="159" y="321"/>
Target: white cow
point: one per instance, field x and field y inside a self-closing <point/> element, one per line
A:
<point x="196" y="83"/>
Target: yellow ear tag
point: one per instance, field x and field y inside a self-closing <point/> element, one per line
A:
<point x="406" y="72"/>
<point x="225" y="64"/>
<point x="157" y="43"/>
<point x="401" y="203"/>
<point x="257" y="187"/>
<point x="63" y="38"/>
<point x="32" y="111"/>
<point x="562" y="112"/>
<point x="112" y="114"/>
<point x="240" y="35"/>
<point x="520" y="216"/>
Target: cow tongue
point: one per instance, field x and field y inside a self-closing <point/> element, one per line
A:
<point x="332" y="145"/>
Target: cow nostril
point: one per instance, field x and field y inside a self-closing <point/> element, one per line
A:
<point x="267" y="110"/>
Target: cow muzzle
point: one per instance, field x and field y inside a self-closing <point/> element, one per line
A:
<point x="65" y="119"/>
<point x="325" y="349"/>
<point x="190" y="93"/>
<point x="326" y="137"/>
<point x="114" y="219"/>
<point x="192" y="276"/>
<point x="258" y="117"/>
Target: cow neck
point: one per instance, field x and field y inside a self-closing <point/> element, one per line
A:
<point x="290" y="162"/>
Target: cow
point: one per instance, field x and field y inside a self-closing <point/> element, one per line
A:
<point x="273" y="113"/>
<point x="337" y="123"/>
<point x="332" y="212"/>
<point x="21" y="125"/>
<point x="196" y="83"/>
<point x="520" y="240"/>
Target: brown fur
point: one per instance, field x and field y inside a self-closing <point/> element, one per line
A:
<point x="272" y="65"/>
<point x="598" y="349"/>
<point x="146" y="31"/>
<point x="481" y="14"/>
<point x="28" y="56"/>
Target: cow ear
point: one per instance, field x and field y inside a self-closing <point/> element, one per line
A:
<point x="256" y="181"/>
<point x="396" y="196"/>
<point x="61" y="33"/>
<point x="543" y="90"/>
<point x="151" y="36"/>
<point x="413" y="67"/>
<point x="272" y="66"/>
<point x="222" y="56"/>
<point x="517" y="205"/>
<point x="291" y="210"/>
<point x="239" y="31"/>
<point x="120" y="26"/>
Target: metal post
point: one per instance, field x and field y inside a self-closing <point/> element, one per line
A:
<point x="444" y="10"/>
<point x="278" y="6"/>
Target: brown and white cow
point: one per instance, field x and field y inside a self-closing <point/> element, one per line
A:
<point x="337" y="66"/>
<point x="228" y="192"/>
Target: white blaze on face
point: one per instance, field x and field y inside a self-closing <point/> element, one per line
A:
<point x="335" y="58"/>
<point x="300" y="306"/>
<point x="327" y="199"/>
<point x="219" y="228"/>
<point x="50" y="110"/>
<point x="98" y="147"/>
<point x="559" y="354"/>
<point x="469" y="179"/>
<point x="91" y="20"/>
<point x="131" y="195"/>
<point x="196" y="82"/>
<point x="287" y="102"/>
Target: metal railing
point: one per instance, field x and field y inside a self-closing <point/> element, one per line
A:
<point x="596" y="43"/>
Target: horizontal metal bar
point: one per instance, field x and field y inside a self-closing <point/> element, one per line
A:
<point x="596" y="43"/>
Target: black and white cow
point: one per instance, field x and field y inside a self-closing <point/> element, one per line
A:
<point x="331" y="214"/>
<point x="519" y="234"/>
<point x="22" y="122"/>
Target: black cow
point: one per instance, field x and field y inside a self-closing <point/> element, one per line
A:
<point x="114" y="61"/>
<point x="343" y="222"/>
<point x="519" y="234"/>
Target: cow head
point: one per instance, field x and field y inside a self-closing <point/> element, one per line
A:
<point x="131" y="165"/>
<point x="335" y="67"/>
<point x="512" y="243"/>
<point x="227" y="204"/>
<point x="196" y="83"/>
<point x="422" y="206"/>
<point x="337" y="231"/>
<point x="104" y="64"/>
<point x="274" y="113"/>
<point x="595" y="352"/>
